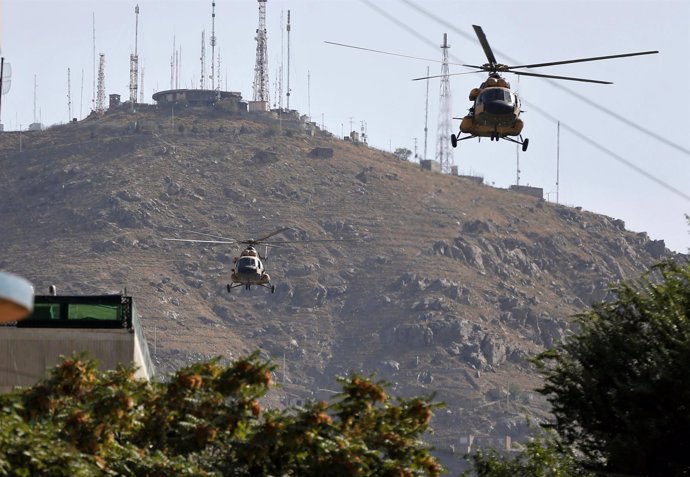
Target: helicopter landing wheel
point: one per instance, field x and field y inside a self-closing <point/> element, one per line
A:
<point x="453" y="140"/>
<point x="273" y="288"/>
<point x="229" y="288"/>
<point x="525" y="143"/>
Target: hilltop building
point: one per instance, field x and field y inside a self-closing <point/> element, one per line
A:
<point x="106" y="327"/>
<point x="201" y="97"/>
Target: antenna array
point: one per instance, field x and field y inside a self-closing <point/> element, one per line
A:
<point x="134" y="63"/>
<point x="288" y="61"/>
<point x="100" y="95"/>
<point x="261" y="83"/>
<point x="213" y="44"/>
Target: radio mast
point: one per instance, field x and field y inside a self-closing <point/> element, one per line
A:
<point x="134" y="63"/>
<point x="213" y="45"/>
<point x="426" y="113"/>
<point x="93" y="97"/>
<point x="288" y="59"/>
<point x="202" y="83"/>
<point x="69" y="96"/>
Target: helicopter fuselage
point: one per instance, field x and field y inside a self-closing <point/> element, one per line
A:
<point x="249" y="270"/>
<point x="495" y="113"/>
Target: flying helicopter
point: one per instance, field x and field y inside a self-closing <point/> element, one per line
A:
<point x="248" y="269"/>
<point x="496" y="109"/>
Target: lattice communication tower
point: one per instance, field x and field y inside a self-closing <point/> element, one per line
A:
<point x="444" y="154"/>
<point x="261" y="84"/>
<point x="134" y="63"/>
<point x="100" y="95"/>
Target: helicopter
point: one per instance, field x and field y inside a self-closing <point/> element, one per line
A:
<point x="496" y="109"/>
<point x="248" y="269"/>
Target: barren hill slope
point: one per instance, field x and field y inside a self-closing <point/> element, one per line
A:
<point x="448" y="287"/>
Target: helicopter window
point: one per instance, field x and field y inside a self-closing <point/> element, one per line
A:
<point x="496" y="94"/>
<point x="246" y="262"/>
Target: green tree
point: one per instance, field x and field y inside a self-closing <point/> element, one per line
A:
<point x="206" y="421"/>
<point x="402" y="153"/>
<point x="619" y="386"/>
<point x="540" y="458"/>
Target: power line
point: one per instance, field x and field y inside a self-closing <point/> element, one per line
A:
<point x="615" y="156"/>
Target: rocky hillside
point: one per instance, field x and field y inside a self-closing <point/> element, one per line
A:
<point x="440" y="284"/>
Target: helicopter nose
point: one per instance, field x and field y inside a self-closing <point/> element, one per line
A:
<point x="499" y="107"/>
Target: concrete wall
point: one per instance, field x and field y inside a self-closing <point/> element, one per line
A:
<point x="27" y="353"/>
<point x="430" y="165"/>
<point x="537" y="192"/>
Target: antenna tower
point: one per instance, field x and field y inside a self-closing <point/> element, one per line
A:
<point x="172" y="65"/>
<point x="279" y="74"/>
<point x="141" y="91"/>
<point x="178" y="54"/>
<point x="81" y="97"/>
<point x="288" y="69"/>
<point x="69" y="95"/>
<point x="202" y="84"/>
<point x="93" y="96"/>
<point x="219" y="82"/>
<point x="134" y="63"/>
<point x="558" y="161"/>
<point x="35" y="86"/>
<point x="443" y="153"/>
<point x="213" y="44"/>
<point x="426" y="113"/>
<point x="261" y="84"/>
<point x="100" y="95"/>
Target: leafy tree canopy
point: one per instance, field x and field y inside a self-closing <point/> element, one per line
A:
<point x="206" y="421"/>
<point x="402" y="153"/>
<point x="619" y="387"/>
<point x="540" y="458"/>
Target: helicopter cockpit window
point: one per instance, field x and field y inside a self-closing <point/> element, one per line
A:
<point x="496" y="94"/>
<point x="246" y="262"/>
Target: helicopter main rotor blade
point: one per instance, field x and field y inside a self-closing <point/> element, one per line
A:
<point x="485" y="45"/>
<point x="211" y="235"/>
<point x="285" y="242"/>
<point x="582" y="60"/>
<point x="569" y="78"/>
<point x="197" y="241"/>
<point x="387" y="52"/>
<point x="262" y="239"/>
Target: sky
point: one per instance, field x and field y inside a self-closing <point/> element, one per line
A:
<point x="622" y="150"/>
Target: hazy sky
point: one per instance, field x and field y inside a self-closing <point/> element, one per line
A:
<point x="624" y="148"/>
